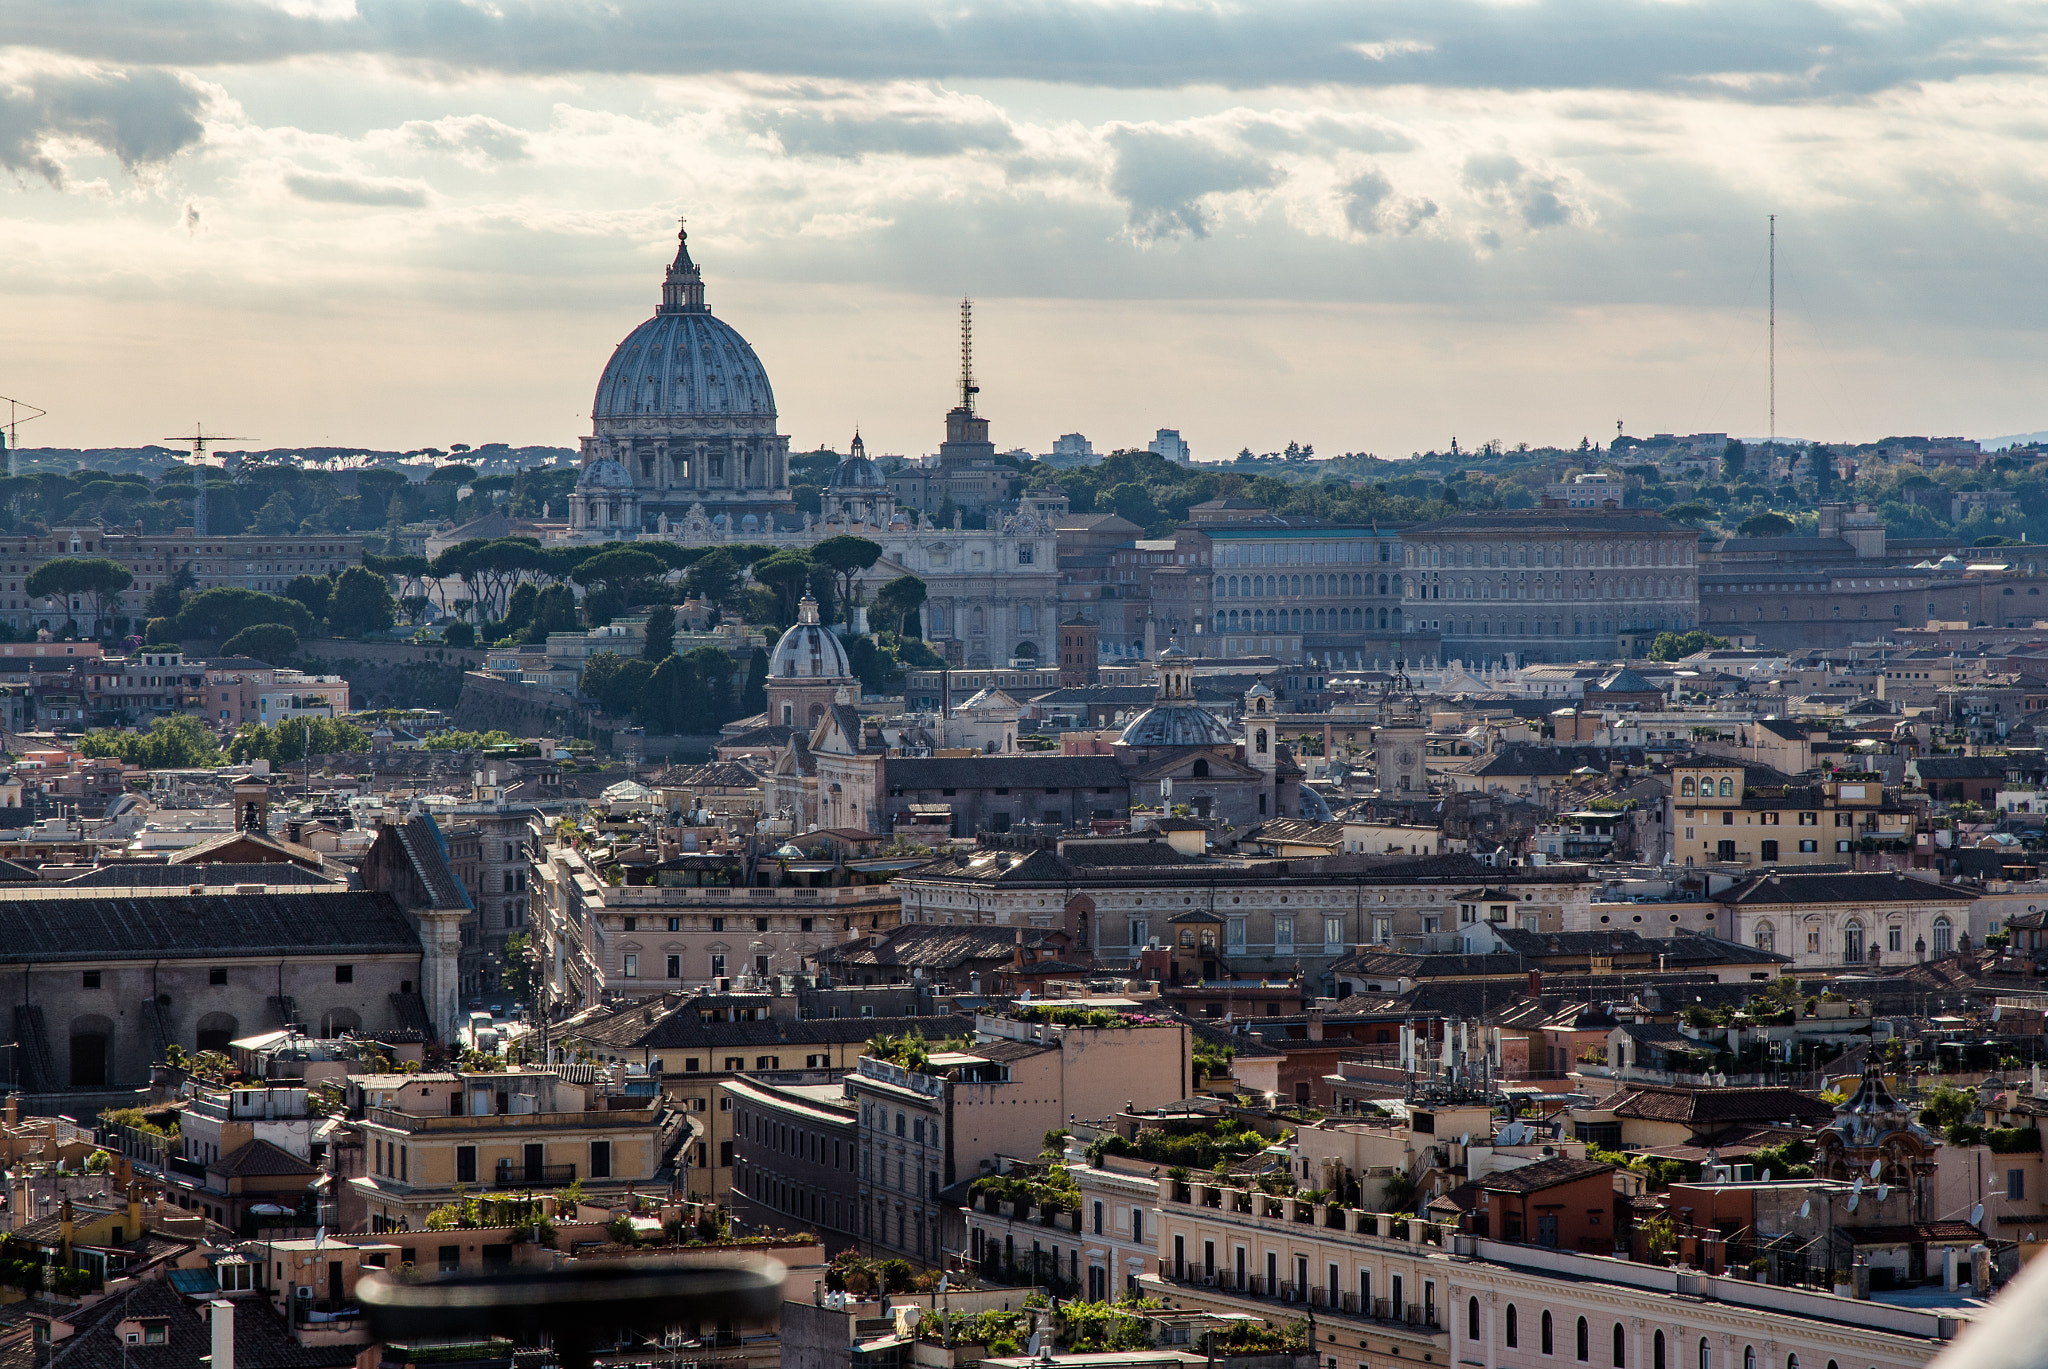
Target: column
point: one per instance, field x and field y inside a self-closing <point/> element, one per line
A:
<point x="1492" y="1310"/>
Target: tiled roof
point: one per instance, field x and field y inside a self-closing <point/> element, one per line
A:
<point x="1945" y="1232"/>
<point x="256" y="842"/>
<point x="1547" y="523"/>
<point x="261" y="1159"/>
<point x="1720" y="1107"/>
<point x="1841" y="888"/>
<point x="66" y="925"/>
<point x="421" y="842"/>
<point x="261" y="1339"/>
<point x="1961" y="767"/>
<point x="714" y="775"/>
<point x="1015" y="772"/>
<point x="922" y="944"/>
<point x="681" y="1029"/>
<point x="1554" y="760"/>
<point x="1541" y="1175"/>
<point x="226" y="874"/>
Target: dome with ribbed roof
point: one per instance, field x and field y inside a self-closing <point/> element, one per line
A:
<point x="810" y="650"/>
<point x="1175" y="719"/>
<point x="857" y="473"/>
<point x="604" y="475"/>
<point x="684" y="362"/>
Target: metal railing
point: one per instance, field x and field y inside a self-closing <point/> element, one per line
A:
<point x="1387" y="1312"/>
<point x="533" y="1176"/>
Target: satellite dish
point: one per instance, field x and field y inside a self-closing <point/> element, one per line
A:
<point x="1854" y="1199"/>
<point x="1876" y="1168"/>
<point x="1884" y="1192"/>
<point x="1765" y="1177"/>
<point x="1997" y="1011"/>
<point x="1856" y="1187"/>
<point x="1465" y="1138"/>
<point x="1806" y="1208"/>
<point x="1977" y="1215"/>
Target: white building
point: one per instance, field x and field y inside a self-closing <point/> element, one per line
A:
<point x="1167" y="443"/>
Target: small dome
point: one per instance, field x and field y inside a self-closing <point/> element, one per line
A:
<point x="857" y="473"/>
<point x="1177" y="724"/>
<point x="605" y="474"/>
<point x="809" y="651"/>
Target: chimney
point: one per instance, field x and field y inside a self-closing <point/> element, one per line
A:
<point x="1535" y="983"/>
<point x="223" y="1333"/>
<point x="65" y="1226"/>
<point x="134" y="1213"/>
<point x="1315" y="1024"/>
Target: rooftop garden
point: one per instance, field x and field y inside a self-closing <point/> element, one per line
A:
<point x="1188" y="1145"/>
<point x="913" y="1050"/>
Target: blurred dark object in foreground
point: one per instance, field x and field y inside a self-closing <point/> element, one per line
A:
<point x="577" y="1309"/>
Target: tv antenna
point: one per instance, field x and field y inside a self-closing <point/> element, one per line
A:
<point x="968" y="389"/>
<point x="199" y="438"/>
<point x="14" y="422"/>
<point x="1774" y="330"/>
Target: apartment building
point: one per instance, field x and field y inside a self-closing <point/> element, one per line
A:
<point x="1098" y="1250"/>
<point x="1723" y="812"/>
<point x="252" y="561"/>
<point x="796" y="1155"/>
<point x="427" y="1138"/>
<point x="927" y="1126"/>
<point x="696" y="1047"/>
<point x="1307" y="589"/>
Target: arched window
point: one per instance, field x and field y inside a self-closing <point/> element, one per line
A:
<point x="1706" y="1355"/>
<point x="1852" y="943"/>
<point x="1581" y="1344"/>
<point x="1514" y="1328"/>
<point x="1791" y="1362"/>
<point x="1685" y="788"/>
<point x="1620" y="1349"/>
<point x="1749" y="1357"/>
<point x="1657" y="1351"/>
<point x="1259" y="741"/>
<point x="1944" y="936"/>
<point x="1727" y="787"/>
<point x="1766" y="937"/>
<point x="1472" y="1319"/>
<point x="1199" y="770"/>
<point x="1546" y="1346"/>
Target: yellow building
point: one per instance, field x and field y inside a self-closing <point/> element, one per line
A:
<point x="1723" y="812"/>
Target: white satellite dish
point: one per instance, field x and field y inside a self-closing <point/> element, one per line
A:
<point x="1856" y="1187"/>
<point x="1884" y="1192"/>
<point x="1806" y="1208"/>
<point x="1977" y="1215"/>
<point x="1876" y="1168"/>
<point x="1464" y="1138"/>
<point x="1997" y="1011"/>
<point x="1854" y="1199"/>
<point x="1764" y="1178"/>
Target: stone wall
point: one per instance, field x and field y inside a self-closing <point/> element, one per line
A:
<point x="489" y="702"/>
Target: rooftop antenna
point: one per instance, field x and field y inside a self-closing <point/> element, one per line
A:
<point x="14" y="422"/>
<point x="1774" y="331"/>
<point x="968" y="389"/>
<point x="199" y="438"/>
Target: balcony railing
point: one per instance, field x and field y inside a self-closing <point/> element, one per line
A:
<point x="533" y="1176"/>
<point x="1413" y="1316"/>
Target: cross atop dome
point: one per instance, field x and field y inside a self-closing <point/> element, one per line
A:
<point x="683" y="290"/>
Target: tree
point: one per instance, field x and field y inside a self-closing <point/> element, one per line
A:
<point x="899" y="601"/>
<point x="519" y="609"/>
<point x="624" y="572"/>
<point x="786" y="573"/>
<point x="847" y="556"/>
<point x="715" y="578"/>
<point x="1947" y="1106"/>
<point x="1733" y="457"/>
<point x="179" y="743"/>
<point x="947" y="511"/>
<point x="362" y="604"/>
<point x="553" y="611"/>
<point x="452" y="475"/>
<point x="661" y="633"/>
<point x="160" y="632"/>
<point x="615" y="682"/>
<point x="667" y="700"/>
<point x="714" y="670"/>
<point x="285" y="743"/>
<point x="277" y="516"/>
<point x="273" y="643"/>
<point x="95" y="579"/>
<point x="313" y="591"/>
<point x="1823" y="462"/>
<point x="1766" y="525"/>
<point x="224" y="612"/>
<point x="1673" y="646"/>
<point x="169" y="595"/>
<point x="754" y="697"/>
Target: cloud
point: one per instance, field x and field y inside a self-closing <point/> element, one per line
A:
<point x="1744" y="49"/>
<point x="1371" y="206"/>
<point x="832" y="133"/>
<point x="191" y="219"/>
<point x="1163" y="176"/>
<point x="143" y="116"/>
<point x="476" y="138"/>
<point x="1538" y="198"/>
<point x="377" y="192"/>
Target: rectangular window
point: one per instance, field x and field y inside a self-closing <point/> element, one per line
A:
<point x="90" y="979"/>
<point x="1383" y="931"/>
<point x="718" y="925"/>
<point x="1767" y="850"/>
<point x="1809" y="847"/>
<point x="718" y="967"/>
<point x="675" y="924"/>
<point x="1138" y="938"/>
<point x="2015" y="1185"/>
<point x="675" y="967"/>
<point x="1894" y="938"/>
<point x="465" y="1164"/>
<point x="217" y="975"/>
<point x="1333" y="931"/>
<point x="631" y="966"/>
<point x="344" y="974"/>
<point x="1233" y="937"/>
<point x="600" y="1159"/>
<point x="1283" y="935"/>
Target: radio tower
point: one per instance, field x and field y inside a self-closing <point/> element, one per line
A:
<point x="1774" y="332"/>
<point x="968" y="389"/>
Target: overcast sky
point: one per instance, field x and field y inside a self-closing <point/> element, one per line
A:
<point x="1367" y="226"/>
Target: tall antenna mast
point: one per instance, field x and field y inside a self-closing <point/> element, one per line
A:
<point x="1774" y="331"/>
<point x="968" y="389"/>
<point x="11" y="438"/>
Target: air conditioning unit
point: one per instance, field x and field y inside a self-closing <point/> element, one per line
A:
<point x="303" y="1291"/>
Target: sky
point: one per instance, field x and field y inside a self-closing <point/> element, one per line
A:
<point x="1367" y="225"/>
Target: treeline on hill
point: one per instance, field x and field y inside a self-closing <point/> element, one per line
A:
<point x="185" y="743"/>
<point x="277" y="498"/>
